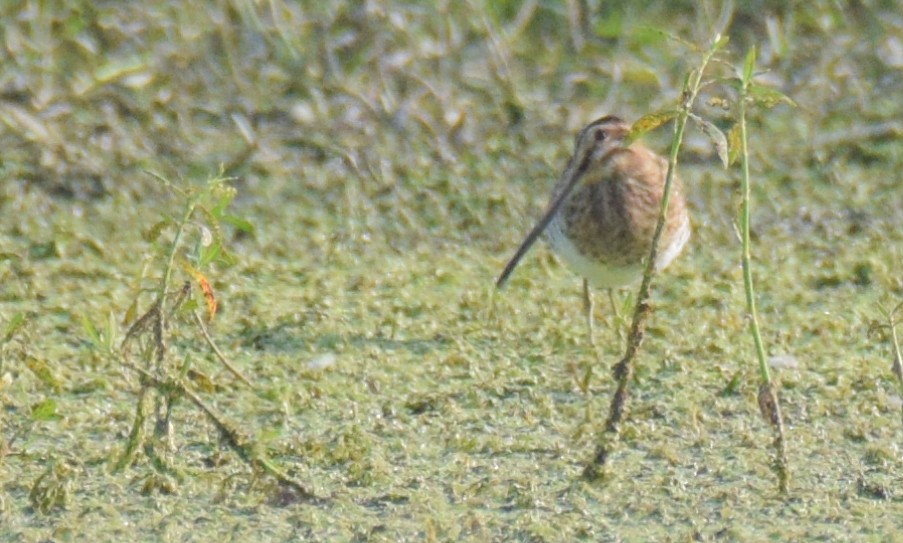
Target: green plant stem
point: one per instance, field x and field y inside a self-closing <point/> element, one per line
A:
<point x="764" y="373"/>
<point x="170" y="260"/>
<point x="219" y="354"/>
<point x="135" y="438"/>
<point x="768" y="400"/>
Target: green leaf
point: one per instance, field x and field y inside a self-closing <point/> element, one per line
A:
<point x="733" y="385"/>
<point x="733" y="144"/>
<point x="13" y="326"/>
<point x="105" y="341"/>
<point x="109" y="338"/>
<point x="209" y="253"/>
<point x="45" y="411"/>
<point x="721" y="42"/>
<point x="716" y="136"/>
<point x="767" y="97"/>
<point x="650" y="122"/>
<point x="91" y="331"/>
<point x="224" y="201"/>
<point x="239" y="223"/>
<point x="749" y="65"/>
<point x="131" y="313"/>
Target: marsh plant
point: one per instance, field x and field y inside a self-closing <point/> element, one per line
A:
<point x="386" y="152"/>
<point x="161" y="343"/>
<point x="736" y="93"/>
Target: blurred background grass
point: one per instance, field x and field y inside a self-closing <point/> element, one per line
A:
<point x="390" y="155"/>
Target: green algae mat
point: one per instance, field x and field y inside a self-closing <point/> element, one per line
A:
<point x="248" y="254"/>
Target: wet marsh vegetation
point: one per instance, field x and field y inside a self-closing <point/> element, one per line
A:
<point x="385" y="160"/>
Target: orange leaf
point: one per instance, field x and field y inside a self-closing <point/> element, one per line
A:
<point x="206" y="288"/>
<point x="209" y="297"/>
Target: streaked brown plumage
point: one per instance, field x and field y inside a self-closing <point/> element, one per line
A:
<point x="603" y="211"/>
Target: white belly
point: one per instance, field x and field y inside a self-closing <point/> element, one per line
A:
<point x="598" y="274"/>
<point x="602" y="275"/>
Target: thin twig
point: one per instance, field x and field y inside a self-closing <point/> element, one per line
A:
<point x="239" y="443"/>
<point x="219" y="354"/>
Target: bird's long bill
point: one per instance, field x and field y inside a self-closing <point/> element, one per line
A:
<point x="543" y="222"/>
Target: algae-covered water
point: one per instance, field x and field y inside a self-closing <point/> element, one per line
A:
<point x="387" y="159"/>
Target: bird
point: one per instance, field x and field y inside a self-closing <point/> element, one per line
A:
<point x="602" y="213"/>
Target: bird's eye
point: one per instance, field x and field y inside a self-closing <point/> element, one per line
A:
<point x="600" y="135"/>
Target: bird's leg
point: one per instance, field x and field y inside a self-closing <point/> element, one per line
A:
<point x="619" y="320"/>
<point x="588" y="308"/>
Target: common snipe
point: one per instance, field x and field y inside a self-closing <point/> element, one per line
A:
<point x="602" y="213"/>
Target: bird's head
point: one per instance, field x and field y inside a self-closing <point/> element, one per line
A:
<point x="598" y="139"/>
